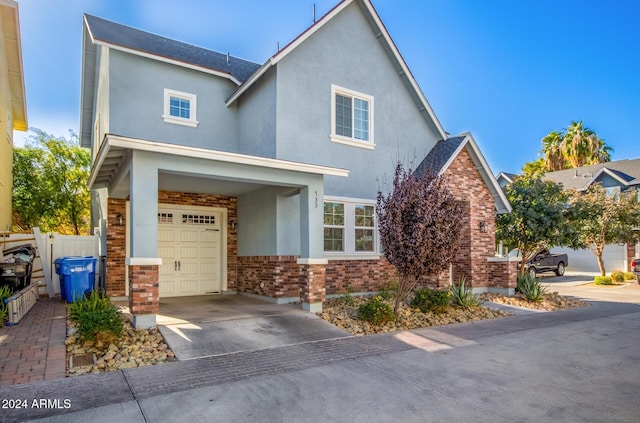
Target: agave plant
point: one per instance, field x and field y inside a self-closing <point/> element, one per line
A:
<point x="530" y="288"/>
<point x="463" y="296"/>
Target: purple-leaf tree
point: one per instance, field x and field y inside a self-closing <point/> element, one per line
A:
<point x="419" y="223"/>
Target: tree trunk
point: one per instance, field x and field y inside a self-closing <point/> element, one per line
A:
<point x="601" y="263"/>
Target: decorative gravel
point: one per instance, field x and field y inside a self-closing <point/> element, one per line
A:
<point x="552" y="301"/>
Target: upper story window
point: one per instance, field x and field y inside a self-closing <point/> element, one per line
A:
<point x="351" y="117"/>
<point x="179" y="108"/>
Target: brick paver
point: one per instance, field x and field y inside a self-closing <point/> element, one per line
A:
<point x="34" y="350"/>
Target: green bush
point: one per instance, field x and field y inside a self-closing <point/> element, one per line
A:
<point x="5" y="293"/>
<point x="617" y="276"/>
<point x="389" y="290"/>
<point x="97" y="317"/>
<point x="530" y="288"/>
<point x="628" y="276"/>
<point x="462" y="296"/>
<point x="376" y="311"/>
<point x="603" y="280"/>
<point x="432" y="300"/>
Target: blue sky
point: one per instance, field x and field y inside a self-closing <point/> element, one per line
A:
<point x="508" y="71"/>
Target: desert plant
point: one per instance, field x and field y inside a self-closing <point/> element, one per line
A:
<point x="376" y="311"/>
<point x="389" y="290"/>
<point x="529" y="288"/>
<point x="603" y="280"/>
<point x="463" y="296"/>
<point x="428" y="300"/>
<point x="96" y="316"/>
<point x="347" y="297"/>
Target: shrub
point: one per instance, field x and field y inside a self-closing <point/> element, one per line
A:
<point x="347" y="297"/>
<point x="389" y="290"/>
<point x="463" y="296"/>
<point x="628" y="276"/>
<point x="376" y="311"/>
<point x="97" y="317"/>
<point x="617" y="276"/>
<point x="603" y="280"/>
<point x="5" y="293"/>
<point x="530" y="288"/>
<point x="432" y="300"/>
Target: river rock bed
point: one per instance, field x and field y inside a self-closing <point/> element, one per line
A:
<point x="344" y="316"/>
<point x="136" y="347"/>
<point x="552" y="301"/>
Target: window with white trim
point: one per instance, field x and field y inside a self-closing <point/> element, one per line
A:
<point x="333" y="227"/>
<point x="349" y="228"/>
<point x="179" y="108"/>
<point x="351" y="117"/>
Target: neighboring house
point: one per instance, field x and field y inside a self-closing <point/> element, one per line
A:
<point x="505" y="178"/>
<point x="13" y="106"/>
<point x="212" y="174"/>
<point x="615" y="177"/>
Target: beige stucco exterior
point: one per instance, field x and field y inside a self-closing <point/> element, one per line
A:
<point x="13" y="110"/>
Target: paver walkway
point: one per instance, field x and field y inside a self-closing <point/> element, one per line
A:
<point x="34" y="350"/>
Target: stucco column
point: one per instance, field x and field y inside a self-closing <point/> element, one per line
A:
<point x="312" y="262"/>
<point x="143" y="241"/>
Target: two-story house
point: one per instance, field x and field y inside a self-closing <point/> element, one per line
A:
<point x="213" y="174"/>
<point x="13" y="104"/>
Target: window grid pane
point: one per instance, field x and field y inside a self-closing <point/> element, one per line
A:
<point x="343" y="116"/>
<point x="180" y="107"/>
<point x="364" y="223"/>
<point x="361" y="119"/>
<point x="333" y="230"/>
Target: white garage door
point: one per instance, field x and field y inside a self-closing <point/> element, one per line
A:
<point x="190" y="245"/>
<point x="614" y="256"/>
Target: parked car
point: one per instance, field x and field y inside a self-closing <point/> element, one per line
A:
<point x="635" y="268"/>
<point x="544" y="261"/>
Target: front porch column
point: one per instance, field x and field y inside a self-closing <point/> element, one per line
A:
<point x="144" y="298"/>
<point x="312" y="262"/>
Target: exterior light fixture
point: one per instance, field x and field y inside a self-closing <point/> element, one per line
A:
<point x="119" y="220"/>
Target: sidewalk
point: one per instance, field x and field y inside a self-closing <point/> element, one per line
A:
<point x="34" y="350"/>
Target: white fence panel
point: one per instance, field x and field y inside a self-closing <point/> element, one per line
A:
<point x="71" y="245"/>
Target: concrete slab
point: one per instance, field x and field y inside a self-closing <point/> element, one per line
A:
<point x="123" y="412"/>
<point x="205" y="326"/>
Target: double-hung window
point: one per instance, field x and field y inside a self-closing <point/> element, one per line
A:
<point x="349" y="227"/>
<point x="179" y="108"/>
<point x="351" y="117"/>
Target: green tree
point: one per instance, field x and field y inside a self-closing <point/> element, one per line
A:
<point x="50" y="191"/>
<point x="540" y="216"/>
<point x="603" y="218"/>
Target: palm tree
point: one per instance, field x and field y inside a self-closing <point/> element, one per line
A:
<point x="582" y="146"/>
<point x="552" y="150"/>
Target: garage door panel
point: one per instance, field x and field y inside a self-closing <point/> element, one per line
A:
<point x="189" y="245"/>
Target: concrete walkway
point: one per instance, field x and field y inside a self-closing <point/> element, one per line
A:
<point x="34" y="350"/>
<point x="564" y="366"/>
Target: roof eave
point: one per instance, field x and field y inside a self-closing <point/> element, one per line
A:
<point x="16" y="72"/>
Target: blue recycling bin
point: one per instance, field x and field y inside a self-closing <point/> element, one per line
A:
<point x="77" y="276"/>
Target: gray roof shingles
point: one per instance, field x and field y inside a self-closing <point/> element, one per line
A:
<point x="135" y="39"/>
<point x="578" y="178"/>
<point x="439" y="155"/>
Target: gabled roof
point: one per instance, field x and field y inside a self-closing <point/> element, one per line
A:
<point x="380" y="32"/>
<point x="10" y="36"/>
<point x="508" y="177"/>
<point x="444" y="152"/>
<point x="121" y="37"/>
<point x="626" y="172"/>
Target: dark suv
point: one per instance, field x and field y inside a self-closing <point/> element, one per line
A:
<point x="635" y="268"/>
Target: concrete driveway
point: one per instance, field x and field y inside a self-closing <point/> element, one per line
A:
<point x="581" y="285"/>
<point x="206" y="326"/>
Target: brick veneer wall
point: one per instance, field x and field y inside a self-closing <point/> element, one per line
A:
<point x="280" y="275"/>
<point x="312" y="283"/>
<point x="116" y="248"/>
<point x="116" y="241"/>
<point x="631" y="254"/>
<point x="502" y="273"/>
<point x="360" y="275"/>
<point x="144" y="295"/>
<point x="466" y="184"/>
